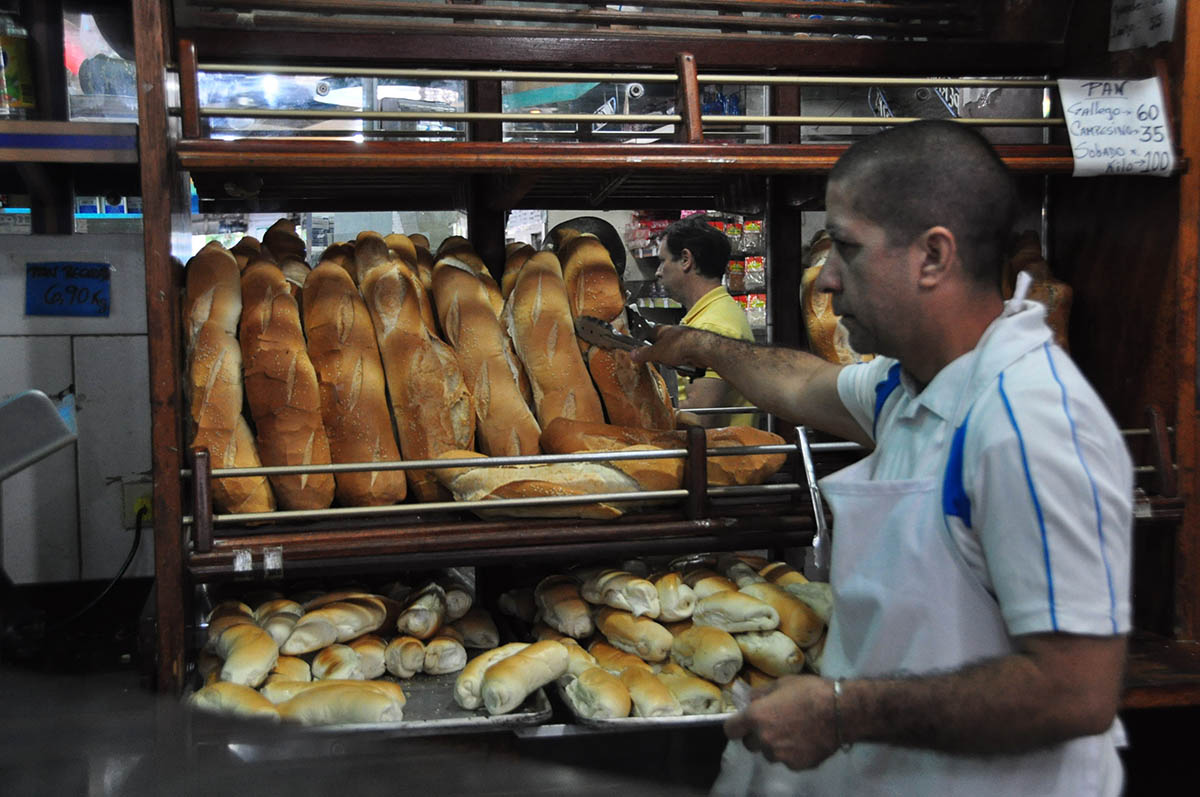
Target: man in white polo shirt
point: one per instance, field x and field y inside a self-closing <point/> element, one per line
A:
<point x="981" y="552"/>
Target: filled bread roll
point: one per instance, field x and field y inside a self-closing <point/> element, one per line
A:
<point x="281" y="388"/>
<point x="621" y="590"/>
<point x="478" y="629"/>
<point x="470" y="681"/>
<point x="344" y="352"/>
<point x="248" y="654"/>
<point x="598" y="694"/>
<point x="371" y="650"/>
<point x="341" y="704"/>
<point x="796" y="619"/>
<point x="444" y="654"/>
<point x="459" y="598"/>
<point x="424" y="614"/>
<point x="638" y="635"/>
<point x="735" y="612"/>
<point x="505" y="425"/>
<point x="695" y="695"/>
<point x="404" y="656"/>
<point x="706" y="582"/>
<point x="676" y="599"/>
<point x="773" y="652"/>
<point x="649" y="695"/>
<point x="337" y="661"/>
<point x="433" y="408"/>
<point x="224" y="697"/>
<point x="509" y="681"/>
<point x="615" y="660"/>
<point x="562" y="608"/>
<point x="290" y="668"/>
<point x="708" y="652"/>
<point x="542" y="329"/>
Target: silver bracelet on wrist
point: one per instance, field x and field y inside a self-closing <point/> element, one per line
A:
<point x="844" y="746"/>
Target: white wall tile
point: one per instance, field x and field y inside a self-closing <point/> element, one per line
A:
<point x="111" y="382"/>
<point x="38" y="518"/>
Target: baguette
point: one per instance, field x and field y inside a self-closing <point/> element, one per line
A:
<point x="424" y="613"/>
<point x="470" y="680"/>
<point x="402" y="246"/>
<point x="371" y="650"/>
<point x="539" y="321"/>
<point x="354" y="408"/>
<point x="444" y="654"/>
<point x="695" y="695"/>
<point x="337" y="661"/>
<point x="562" y="608"/>
<point x="796" y="618"/>
<point x="433" y="408"/>
<point x="424" y="268"/>
<point x="634" y="394"/>
<point x="827" y="336"/>
<point x="708" y="652"/>
<point x="244" y="250"/>
<point x="637" y="635"/>
<point x="592" y="283"/>
<point x="340" y="704"/>
<point x="621" y="590"/>
<point x="675" y="598"/>
<point x="248" y="652"/>
<point x="281" y="389"/>
<point x="212" y="292"/>
<point x="515" y="256"/>
<point x="404" y="656"/>
<point x="223" y="697"/>
<point x="290" y="668"/>
<point x="615" y="660"/>
<point x="505" y="426"/>
<point x="598" y="694"/>
<point x="478" y="629"/>
<point x="296" y="273"/>
<point x="282" y="241"/>
<point x="773" y="652"/>
<point x="509" y="681"/>
<point x="735" y="612"/>
<point x="650" y="696"/>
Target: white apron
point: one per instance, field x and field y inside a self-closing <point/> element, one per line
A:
<point x="905" y="600"/>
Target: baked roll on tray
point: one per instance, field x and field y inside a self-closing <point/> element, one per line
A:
<point x="596" y="693"/>
<point x="637" y="635"/>
<point x="735" y="612"/>
<point x="509" y="681"/>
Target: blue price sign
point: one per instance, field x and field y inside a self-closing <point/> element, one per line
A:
<point x="74" y="289"/>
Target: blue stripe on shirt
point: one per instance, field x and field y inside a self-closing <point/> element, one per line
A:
<point x="882" y="391"/>
<point x="1112" y="595"/>
<point x="1037" y="505"/>
<point x="954" y="495"/>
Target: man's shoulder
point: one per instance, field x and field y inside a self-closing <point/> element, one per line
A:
<point x="719" y="312"/>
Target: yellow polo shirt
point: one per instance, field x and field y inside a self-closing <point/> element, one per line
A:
<point x="719" y="312"/>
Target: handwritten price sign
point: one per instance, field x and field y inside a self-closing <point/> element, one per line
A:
<point x="74" y="289"/>
<point x="1140" y="23"/>
<point x="1118" y="127"/>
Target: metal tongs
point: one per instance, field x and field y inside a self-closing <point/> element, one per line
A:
<point x="601" y="333"/>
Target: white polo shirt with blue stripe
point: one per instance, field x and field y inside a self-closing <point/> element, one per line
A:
<point x="1037" y="484"/>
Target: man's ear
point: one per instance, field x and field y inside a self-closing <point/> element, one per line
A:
<point x="938" y="252"/>
<point x="686" y="261"/>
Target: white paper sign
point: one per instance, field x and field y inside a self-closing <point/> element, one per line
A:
<point x="1140" y="23"/>
<point x="1117" y="127"/>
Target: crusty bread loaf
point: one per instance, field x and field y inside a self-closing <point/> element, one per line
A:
<point x="564" y="436"/>
<point x="402" y="246"/>
<point x="248" y="652"/>
<point x="562" y="608"/>
<point x="515" y="256"/>
<point x="539" y="321"/>
<point x="634" y="394"/>
<point x="281" y="389"/>
<point x="370" y="649"/>
<point x="470" y="680"/>
<point x="827" y="336"/>
<point x="295" y="271"/>
<point x="695" y="695"/>
<point x="638" y="635"/>
<point x="478" y="629"/>
<point x="212" y="292"/>
<point x="735" y="612"/>
<point x="675" y="598"/>
<point x="444" y="654"/>
<point x="621" y="589"/>
<point x="404" y="656"/>
<point x="596" y="693"/>
<point x="616" y="660"/>
<point x="290" y="668"/>
<point x="705" y="582"/>
<point x="337" y="661"/>
<point x="796" y="619"/>
<point x="649" y="695"/>
<point x="370" y="253"/>
<point x="342" y="703"/>
<point x="282" y="240"/>
<point x="223" y="697"/>
<point x="433" y="408"/>
<point x="509" y="681"/>
<point x="244" y="250"/>
<point x="424" y="613"/>
<point x="593" y="285"/>
<point x="708" y="652"/>
<point x="505" y="424"/>
<point x="341" y="255"/>
<point x="773" y="652"/>
<point x="345" y="355"/>
<point x="424" y="268"/>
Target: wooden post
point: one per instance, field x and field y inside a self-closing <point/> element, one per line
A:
<point x="687" y="101"/>
<point x="189" y="89"/>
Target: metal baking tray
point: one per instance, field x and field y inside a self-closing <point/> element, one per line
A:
<point x="642" y="723"/>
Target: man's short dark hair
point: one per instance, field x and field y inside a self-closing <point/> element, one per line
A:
<point x="708" y="245"/>
<point x="919" y="175"/>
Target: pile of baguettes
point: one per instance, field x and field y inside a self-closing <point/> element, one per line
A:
<point x="337" y="657"/>
<point x="385" y="342"/>
<point x="670" y="643"/>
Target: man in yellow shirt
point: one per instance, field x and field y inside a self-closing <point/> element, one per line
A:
<point x="692" y="260"/>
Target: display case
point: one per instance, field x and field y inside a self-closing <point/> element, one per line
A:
<point x="484" y="145"/>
